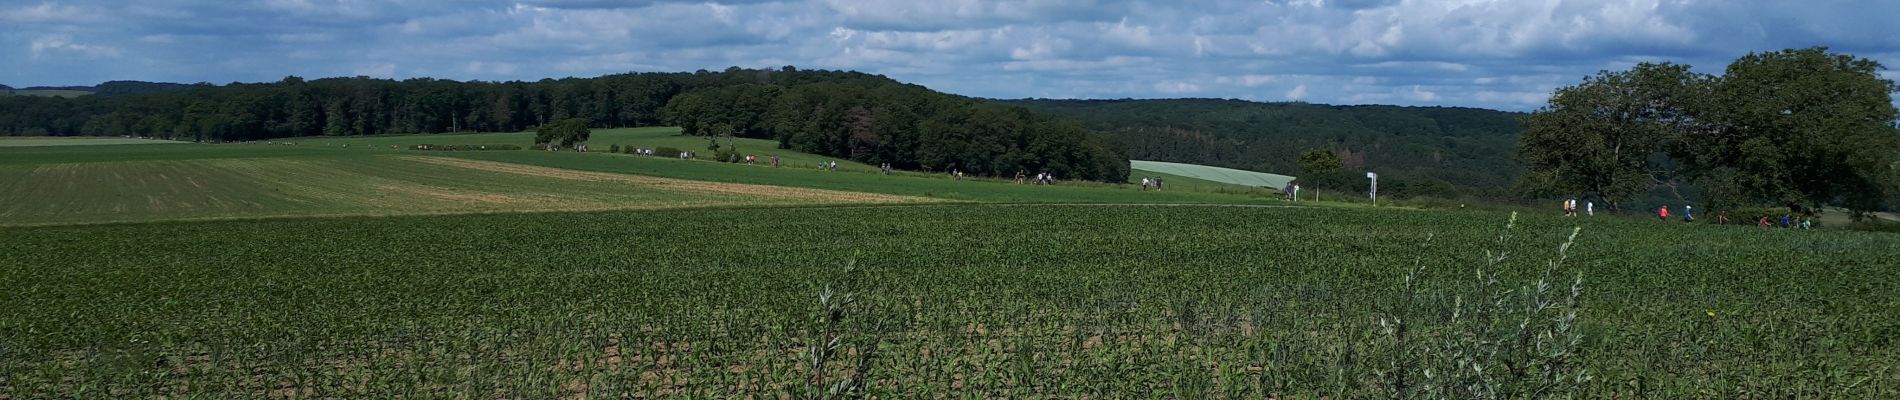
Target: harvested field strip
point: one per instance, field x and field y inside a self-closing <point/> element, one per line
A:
<point x="673" y="184"/>
<point x="53" y="194"/>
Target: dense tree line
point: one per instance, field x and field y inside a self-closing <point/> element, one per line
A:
<point x="1418" y="151"/>
<point x="1799" y="129"/>
<point x="877" y="121"/>
<point x="851" y="115"/>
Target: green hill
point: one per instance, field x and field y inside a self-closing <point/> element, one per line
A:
<point x="1436" y="151"/>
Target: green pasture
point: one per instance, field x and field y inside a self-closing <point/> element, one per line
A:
<point x="341" y="183"/>
<point x="125" y="183"/>
<point x="601" y="141"/>
<point x="35" y="141"/>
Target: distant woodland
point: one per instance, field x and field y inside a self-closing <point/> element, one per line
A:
<point x="1418" y="151"/>
<point x="863" y="117"/>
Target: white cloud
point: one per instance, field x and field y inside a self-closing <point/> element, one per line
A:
<point x="1246" y="80"/>
<point x="63" y="44"/>
<point x="1488" y="53"/>
<point x="376" y="70"/>
<point x="49" y="13"/>
<point x="1177" y="87"/>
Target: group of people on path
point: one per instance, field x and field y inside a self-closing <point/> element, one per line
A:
<point x="1151" y="183"/>
<point x="1291" y="192"/>
<point x="1042" y="178"/>
<point x="1570" y="208"/>
<point x="1663" y="213"/>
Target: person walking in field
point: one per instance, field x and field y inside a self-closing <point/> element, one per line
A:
<point x="1688" y="213"/>
<point x="1590" y="208"/>
<point x="1144" y="183"/>
<point x="1019" y="177"/>
<point x="1784" y="221"/>
<point x="1662" y="214"/>
<point x="1721" y="218"/>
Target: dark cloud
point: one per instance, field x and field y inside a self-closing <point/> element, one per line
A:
<point x="1490" y="53"/>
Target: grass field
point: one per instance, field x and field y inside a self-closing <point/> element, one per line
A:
<point x="352" y="184"/>
<point x="600" y="142"/>
<point x="34" y="141"/>
<point x="535" y="274"/>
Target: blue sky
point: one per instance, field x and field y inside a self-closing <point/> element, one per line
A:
<point x="1504" y="54"/>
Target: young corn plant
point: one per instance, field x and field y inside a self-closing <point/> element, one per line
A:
<point x="827" y="353"/>
<point x="1488" y="341"/>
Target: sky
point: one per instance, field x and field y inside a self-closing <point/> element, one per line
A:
<point x="1500" y="54"/>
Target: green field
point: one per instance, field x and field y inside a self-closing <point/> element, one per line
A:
<point x="35" y="141"/>
<point x="600" y="142"/>
<point x="352" y="184"/>
<point x="316" y="270"/>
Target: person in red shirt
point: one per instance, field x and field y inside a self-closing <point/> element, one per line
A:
<point x="1721" y="218"/>
<point x="1663" y="213"/>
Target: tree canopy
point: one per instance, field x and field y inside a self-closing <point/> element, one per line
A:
<point x="1418" y="151"/>
<point x="567" y="132"/>
<point x="850" y="115"/>
<point x="1800" y="128"/>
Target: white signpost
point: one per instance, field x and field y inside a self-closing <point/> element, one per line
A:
<point x="1375" y="187"/>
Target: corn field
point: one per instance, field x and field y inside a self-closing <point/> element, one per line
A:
<point x="948" y="301"/>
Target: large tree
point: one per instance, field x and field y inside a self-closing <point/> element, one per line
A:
<point x="1800" y="128"/>
<point x="1323" y="168"/>
<point x="1797" y="128"/>
<point x="567" y="132"/>
<point x="1601" y="138"/>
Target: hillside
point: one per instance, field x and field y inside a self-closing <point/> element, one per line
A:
<point x="857" y="116"/>
<point x="1437" y="151"/>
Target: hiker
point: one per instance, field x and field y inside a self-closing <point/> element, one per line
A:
<point x="775" y="161"/>
<point x="834" y="165"/>
<point x="1019" y="177"/>
<point x="1286" y="192"/>
<point x="1688" y="213"/>
<point x="1158" y="184"/>
<point x="1662" y="214"/>
<point x="1590" y="208"/>
<point x="1296" y="192"/>
<point x="1721" y="218"/>
<point x="1763" y="223"/>
<point x="1784" y="221"/>
<point x="1807" y="223"/>
<point x="1144" y="183"/>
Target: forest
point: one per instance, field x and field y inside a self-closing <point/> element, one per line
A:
<point x="862" y="117"/>
<point x="1418" y="151"/>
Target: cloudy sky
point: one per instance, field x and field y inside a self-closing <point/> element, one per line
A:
<point x="1505" y="54"/>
